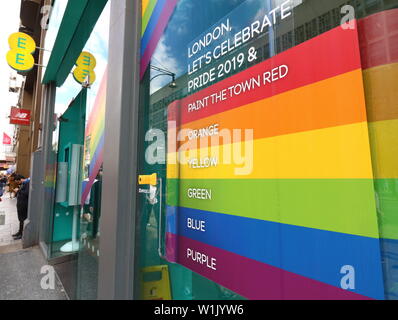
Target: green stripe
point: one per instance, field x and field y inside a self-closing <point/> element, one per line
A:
<point x="340" y="205"/>
<point x="172" y="190"/>
<point x="387" y="207"/>
<point x="147" y="15"/>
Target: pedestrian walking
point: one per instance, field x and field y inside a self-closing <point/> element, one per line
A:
<point x="22" y="204"/>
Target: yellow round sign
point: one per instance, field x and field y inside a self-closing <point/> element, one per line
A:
<point x="86" y="61"/>
<point x="20" y="60"/>
<point x="22" y="42"/>
<point x="85" y="66"/>
<point x="81" y="75"/>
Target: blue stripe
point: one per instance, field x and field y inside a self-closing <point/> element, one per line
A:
<point x="97" y="151"/>
<point x="389" y="252"/>
<point x="312" y="253"/>
<point x="153" y="21"/>
<point x="171" y="219"/>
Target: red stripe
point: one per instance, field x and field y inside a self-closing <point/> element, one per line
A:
<point x="328" y="55"/>
<point x="378" y="37"/>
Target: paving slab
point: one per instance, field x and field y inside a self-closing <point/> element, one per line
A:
<point x="21" y="277"/>
<point x="9" y="223"/>
<point x="20" y="270"/>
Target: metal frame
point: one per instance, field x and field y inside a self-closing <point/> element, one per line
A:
<point x="47" y="138"/>
<point x="31" y="236"/>
<point x="116" y="278"/>
<point x="36" y="215"/>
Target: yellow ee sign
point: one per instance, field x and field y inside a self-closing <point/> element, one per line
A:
<point x="85" y="66"/>
<point x="20" y="56"/>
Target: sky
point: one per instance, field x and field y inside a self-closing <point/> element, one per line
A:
<point x="9" y="23"/>
<point x="191" y="20"/>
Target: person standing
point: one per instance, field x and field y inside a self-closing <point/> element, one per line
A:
<point x="22" y="204"/>
<point x="3" y="182"/>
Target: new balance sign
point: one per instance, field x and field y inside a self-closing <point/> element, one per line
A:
<point x="20" y="116"/>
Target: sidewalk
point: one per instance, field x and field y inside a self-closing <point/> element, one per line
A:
<point x="9" y="224"/>
<point x="20" y="270"/>
<point x="20" y="277"/>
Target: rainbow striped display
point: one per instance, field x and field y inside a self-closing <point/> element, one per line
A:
<point x="95" y="132"/>
<point x="305" y="213"/>
<point x="379" y="54"/>
<point x="156" y="14"/>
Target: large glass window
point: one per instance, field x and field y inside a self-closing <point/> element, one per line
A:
<point x="74" y="178"/>
<point x="256" y="117"/>
<point x="92" y="162"/>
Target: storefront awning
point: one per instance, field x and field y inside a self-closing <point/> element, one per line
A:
<point x="77" y="24"/>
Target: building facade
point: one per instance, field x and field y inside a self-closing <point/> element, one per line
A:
<point x="27" y="135"/>
<point x="219" y="149"/>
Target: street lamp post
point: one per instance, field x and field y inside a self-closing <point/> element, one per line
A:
<point x="164" y="72"/>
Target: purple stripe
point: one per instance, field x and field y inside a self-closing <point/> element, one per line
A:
<point x="171" y="247"/>
<point x="157" y="34"/>
<point x="255" y="280"/>
<point x="156" y="13"/>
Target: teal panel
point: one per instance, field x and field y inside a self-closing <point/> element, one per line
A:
<point x="71" y="131"/>
<point x="85" y="27"/>
<point x="77" y="24"/>
<point x="70" y="21"/>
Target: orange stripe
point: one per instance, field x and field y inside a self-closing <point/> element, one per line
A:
<point x="381" y="91"/>
<point x="332" y="102"/>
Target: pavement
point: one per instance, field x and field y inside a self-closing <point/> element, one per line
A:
<point x="9" y="223"/>
<point x="24" y="273"/>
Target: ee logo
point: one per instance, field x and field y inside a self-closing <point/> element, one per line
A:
<point x="85" y="66"/>
<point x="20" y="56"/>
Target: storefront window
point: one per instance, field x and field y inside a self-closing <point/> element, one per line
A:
<point x="261" y="120"/>
<point x="73" y="208"/>
<point x="57" y="12"/>
<point x="89" y="251"/>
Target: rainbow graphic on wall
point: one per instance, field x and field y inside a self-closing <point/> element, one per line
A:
<point x="155" y="15"/>
<point x="302" y="223"/>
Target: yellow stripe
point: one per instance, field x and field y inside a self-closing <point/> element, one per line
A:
<point x="172" y="168"/>
<point x="144" y="6"/>
<point x="384" y="144"/>
<point x="332" y="153"/>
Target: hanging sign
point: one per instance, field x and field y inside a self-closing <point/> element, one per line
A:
<point x="20" y="116"/>
<point x="20" y="57"/>
<point x="85" y="66"/>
